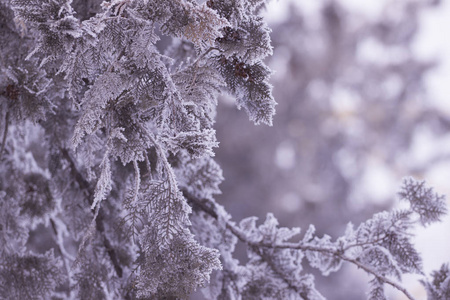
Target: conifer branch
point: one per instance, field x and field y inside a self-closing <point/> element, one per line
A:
<point x="209" y="207"/>
<point x="377" y="275"/>
<point x="85" y="186"/>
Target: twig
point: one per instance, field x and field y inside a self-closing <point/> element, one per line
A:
<point x="5" y="132"/>
<point x="84" y="185"/>
<point x="62" y="251"/>
<point x="195" y="64"/>
<point x="204" y="54"/>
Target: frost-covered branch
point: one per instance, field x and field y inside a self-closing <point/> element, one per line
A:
<point x="379" y="276"/>
<point x="367" y="247"/>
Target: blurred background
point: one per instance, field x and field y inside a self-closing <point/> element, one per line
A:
<point x="362" y="90"/>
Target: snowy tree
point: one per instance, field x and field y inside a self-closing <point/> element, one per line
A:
<point x="108" y="182"/>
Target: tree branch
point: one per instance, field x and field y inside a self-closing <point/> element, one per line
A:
<point x="84" y="185"/>
<point x="381" y="277"/>
<point x="209" y="207"/>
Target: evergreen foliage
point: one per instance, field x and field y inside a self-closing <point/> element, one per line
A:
<point x="107" y="153"/>
<point x="439" y="287"/>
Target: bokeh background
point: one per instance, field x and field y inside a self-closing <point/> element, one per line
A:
<point x="362" y="90"/>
